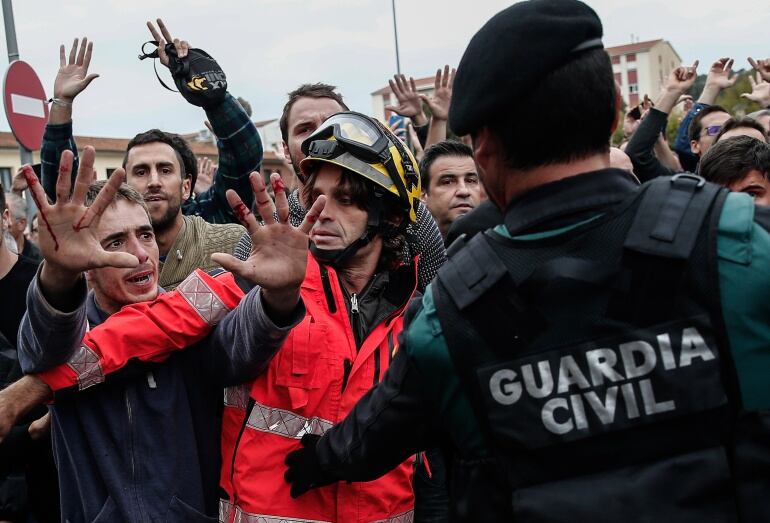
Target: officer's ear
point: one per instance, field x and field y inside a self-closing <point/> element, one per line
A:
<point x="487" y="149"/>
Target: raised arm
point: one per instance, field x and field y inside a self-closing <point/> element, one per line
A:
<point x="719" y="77"/>
<point x="246" y="338"/>
<point x="640" y="148"/>
<point x="71" y="79"/>
<point x="250" y="336"/>
<point x="240" y="148"/>
<point x="439" y="103"/>
<point x="55" y="316"/>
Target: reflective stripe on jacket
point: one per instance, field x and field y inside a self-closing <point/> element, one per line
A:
<point x="148" y="330"/>
<point x="313" y="382"/>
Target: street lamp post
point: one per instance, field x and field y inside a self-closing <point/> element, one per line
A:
<point x="395" y="35"/>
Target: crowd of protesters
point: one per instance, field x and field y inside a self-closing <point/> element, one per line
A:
<point x="190" y="341"/>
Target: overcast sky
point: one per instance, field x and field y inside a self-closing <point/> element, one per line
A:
<point x="268" y="47"/>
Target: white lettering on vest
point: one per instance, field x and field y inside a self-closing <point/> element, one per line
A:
<point x="601" y="364"/>
<point x="645" y="350"/>
<point x="546" y="379"/>
<point x="651" y="406"/>
<point x="570" y="374"/>
<point x="693" y="346"/>
<point x="666" y="354"/>
<point x="549" y="418"/>
<point x="504" y="389"/>
<point x="604" y="411"/>
<point x="578" y="411"/>
<point x="629" y="398"/>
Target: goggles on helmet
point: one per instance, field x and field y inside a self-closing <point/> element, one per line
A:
<point x="357" y="142"/>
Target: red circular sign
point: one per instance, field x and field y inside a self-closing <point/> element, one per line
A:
<point x="25" y="104"/>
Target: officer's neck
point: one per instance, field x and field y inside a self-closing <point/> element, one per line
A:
<point x="515" y="183"/>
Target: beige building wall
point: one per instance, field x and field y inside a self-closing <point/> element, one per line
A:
<point x="663" y="60"/>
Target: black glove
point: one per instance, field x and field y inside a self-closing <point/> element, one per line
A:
<point x="197" y="76"/>
<point x="305" y="472"/>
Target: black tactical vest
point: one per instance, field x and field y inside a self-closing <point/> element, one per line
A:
<point x="598" y="367"/>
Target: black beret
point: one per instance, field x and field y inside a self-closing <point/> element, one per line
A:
<point x="513" y="52"/>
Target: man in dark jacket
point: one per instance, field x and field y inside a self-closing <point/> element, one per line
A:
<point x="601" y="355"/>
<point x="27" y="474"/>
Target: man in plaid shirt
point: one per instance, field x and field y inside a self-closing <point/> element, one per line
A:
<point x="240" y="148"/>
<point x="162" y="167"/>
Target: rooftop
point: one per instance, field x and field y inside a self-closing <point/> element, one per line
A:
<point x="638" y="47"/>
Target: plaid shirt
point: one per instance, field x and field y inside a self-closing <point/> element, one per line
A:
<point x="240" y="153"/>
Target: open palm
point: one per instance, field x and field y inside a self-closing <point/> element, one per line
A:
<point x="73" y="75"/>
<point x="67" y="237"/>
<point x="278" y="258"/>
<point x="441" y="99"/>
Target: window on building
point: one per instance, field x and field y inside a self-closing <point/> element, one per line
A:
<point x="110" y="170"/>
<point x="660" y="60"/>
<point x="631" y="57"/>
<point x="633" y="88"/>
<point x="5" y="178"/>
<point x="633" y="99"/>
<point x="616" y="59"/>
<point x="619" y="78"/>
<point x="632" y="76"/>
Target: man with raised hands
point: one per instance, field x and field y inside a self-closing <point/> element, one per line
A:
<point x="136" y="427"/>
<point x="162" y="167"/>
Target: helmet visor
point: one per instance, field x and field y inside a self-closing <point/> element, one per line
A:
<point x="357" y="133"/>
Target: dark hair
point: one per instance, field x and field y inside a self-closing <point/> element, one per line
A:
<point x="184" y="154"/>
<point x="586" y="112"/>
<point x="732" y="159"/>
<point x="361" y="191"/>
<point x="738" y="123"/>
<point x="317" y="90"/>
<point x="436" y="151"/>
<point x="693" y="133"/>
<point x="2" y="198"/>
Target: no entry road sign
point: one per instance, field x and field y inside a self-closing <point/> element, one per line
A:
<point x="25" y="104"/>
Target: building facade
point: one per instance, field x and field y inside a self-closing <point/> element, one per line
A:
<point x="110" y="153"/>
<point x="641" y="68"/>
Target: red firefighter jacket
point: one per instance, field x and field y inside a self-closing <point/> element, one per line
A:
<point x="313" y="382"/>
<point x="149" y="331"/>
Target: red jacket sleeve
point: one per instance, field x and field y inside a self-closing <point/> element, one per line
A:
<point x="149" y="331"/>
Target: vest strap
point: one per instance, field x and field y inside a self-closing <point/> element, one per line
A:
<point x="671" y="209"/>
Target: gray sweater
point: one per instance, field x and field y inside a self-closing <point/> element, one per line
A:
<point x="144" y="445"/>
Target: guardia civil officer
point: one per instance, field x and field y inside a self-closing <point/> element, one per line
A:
<point x="603" y="355"/>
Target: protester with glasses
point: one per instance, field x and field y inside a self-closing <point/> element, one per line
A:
<point x="705" y="126"/>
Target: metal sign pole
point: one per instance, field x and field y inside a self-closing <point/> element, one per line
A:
<point x="395" y="35"/>
<point x="13" y="55"/>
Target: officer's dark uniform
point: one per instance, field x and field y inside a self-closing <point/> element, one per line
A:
<point x="601" y="356"/>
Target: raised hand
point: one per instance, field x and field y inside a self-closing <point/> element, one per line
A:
<point x="760" y="90"/>
<point x="73" y="76"/>
<point x="442" y="94"/>
<point x="682" y="78"/>
<point x="206" y="169"/>
<point x="409" y="101"/>
<point x="762" y="67"/>
<point x="163" y="36"/>
<point x="67" y="238"/>
<point x="19" y="183"/>
<point x="278" y="258"/>
<point x="720" y="73"/>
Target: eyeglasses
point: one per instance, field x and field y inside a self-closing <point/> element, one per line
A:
<point x="712" y="130"/>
